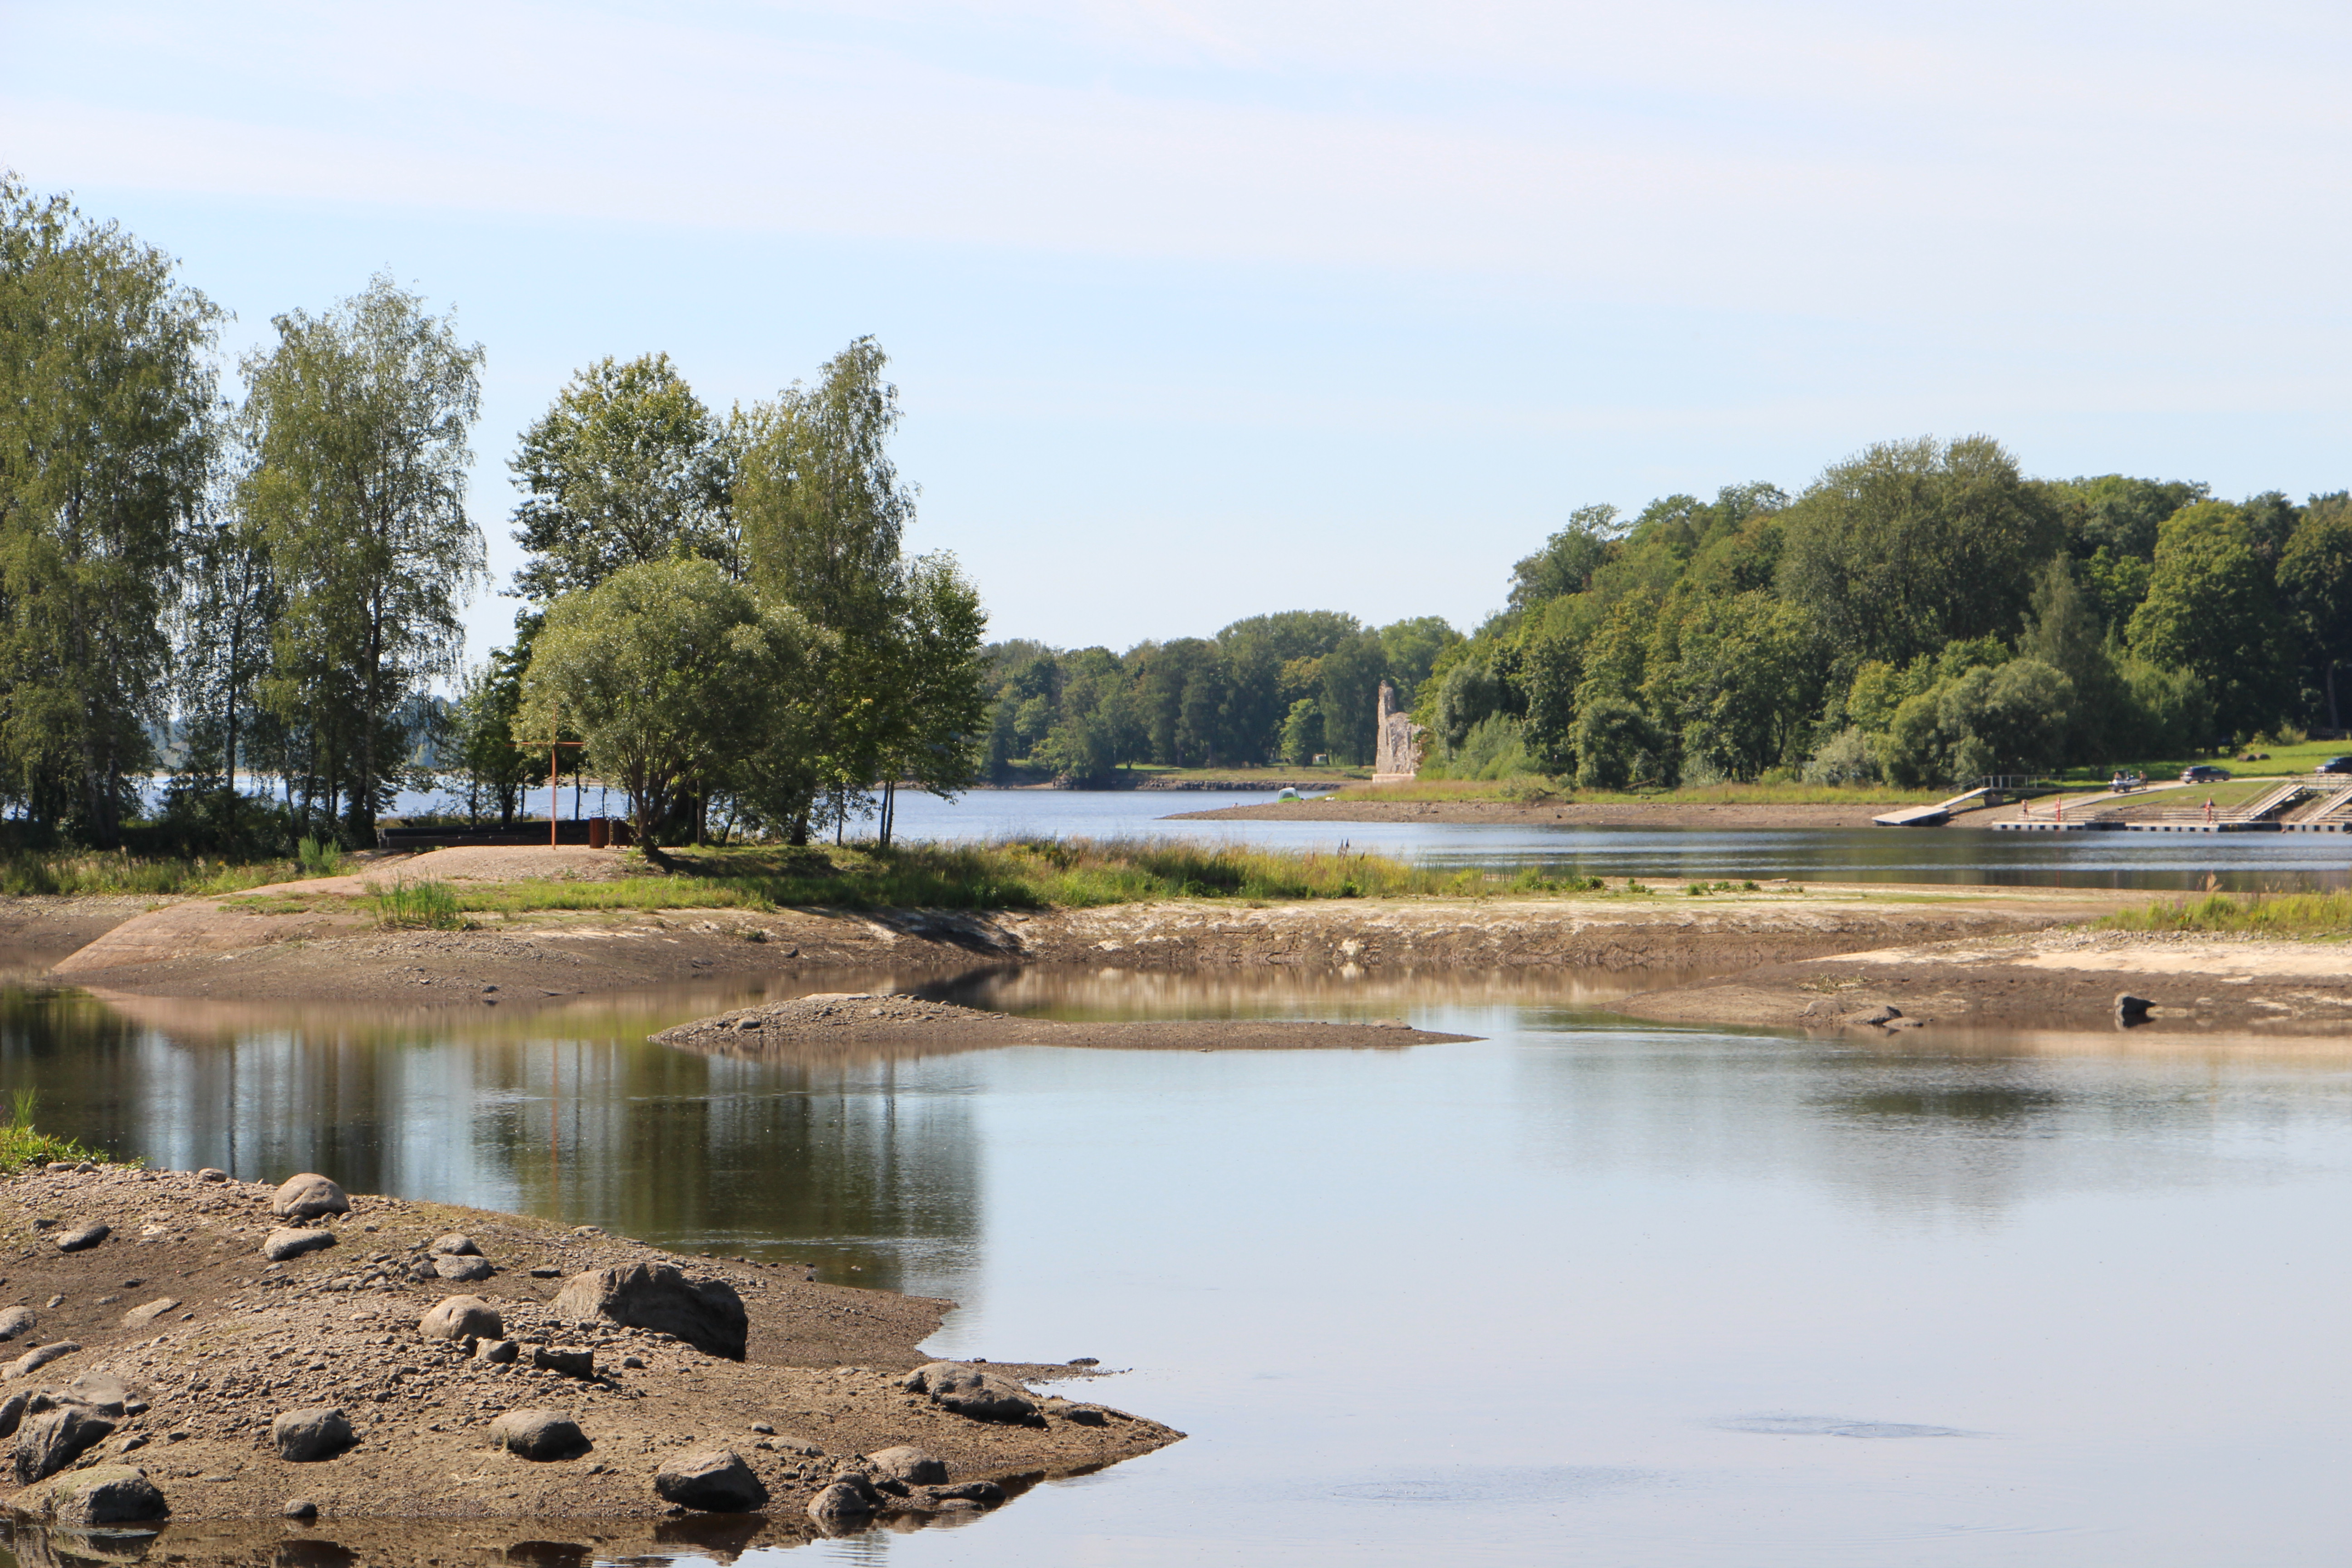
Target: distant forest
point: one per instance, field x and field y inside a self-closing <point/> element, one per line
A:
<point x="1281" y="688"/>
<point x="1922" y="613"/>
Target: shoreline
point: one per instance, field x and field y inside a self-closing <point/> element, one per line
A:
<point x="173" y="1333"/>
<point x="199" y="950"/>
<point x="1561" y="814"/>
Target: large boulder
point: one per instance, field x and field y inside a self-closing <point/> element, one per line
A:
<point x="716" y="1481"/>
<point x="33" y="1361"/>
<point x="462" y="1318"/>
<point x="456" y="1245"/>
<point x="98" y="1498"/>
<point x="968" y="1390"/>
<point x="307" y="1196"/>
<point x="306" y="1436"/>
<point x="706" y="1313"/>
<point x="16" y="1320"/>
<point x="538" y="1435"/>
<point x="287" y="1242"/>
<point x="56" y="1438"/>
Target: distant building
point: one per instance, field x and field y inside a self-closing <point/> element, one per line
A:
<point x="1396" y="745"/>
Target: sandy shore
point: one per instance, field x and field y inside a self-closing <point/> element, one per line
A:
<point x="1663" y="814"/>
<point x="176" y="1332"/>
<point x="2194" y="984"/>
<point x="255" y="947"/>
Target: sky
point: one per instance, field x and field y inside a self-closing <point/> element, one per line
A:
<point x="1205" y="309"/>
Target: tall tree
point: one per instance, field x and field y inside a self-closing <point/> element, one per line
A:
<point x="2316" y="572"/>
<point x="670" y="672"/>
<point x="107" y="438"/>
<point x="629" y="466"/>
<point x="822" y="511"/>
<point x="357" y="423"/>
<point x="2209" y="610"/>
<point x="1913" y="543"/>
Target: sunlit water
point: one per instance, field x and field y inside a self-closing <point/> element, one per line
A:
<point x="1583" y="1290"/>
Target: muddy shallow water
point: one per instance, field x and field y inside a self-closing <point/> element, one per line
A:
<point x="1581" y="1290"/>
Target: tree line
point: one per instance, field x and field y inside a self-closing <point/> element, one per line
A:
<point x="261" y="592"/>
<point x="1287" y="687"/>
<point x="1922" y="613"/>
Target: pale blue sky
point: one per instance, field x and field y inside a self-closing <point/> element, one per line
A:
<point x="1202" y="310"/>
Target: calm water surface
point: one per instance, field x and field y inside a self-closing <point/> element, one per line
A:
<point x="1583" y="1290"/>
<point x="2155" y="860"/>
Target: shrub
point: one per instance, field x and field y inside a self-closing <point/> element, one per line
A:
<point x="426" y="904"/>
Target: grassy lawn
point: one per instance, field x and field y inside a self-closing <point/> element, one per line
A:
<point x="101" y="872"/>
<point x="2283" y="760"/>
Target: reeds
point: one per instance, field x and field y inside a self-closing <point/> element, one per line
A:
<point x="423" y="904"/>
<point x="22" y="1144"/>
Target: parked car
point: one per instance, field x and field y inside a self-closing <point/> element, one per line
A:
<point x="2203" y="774"/>
<point x="2335" y="765"/>
<point x="2124" y="783"/>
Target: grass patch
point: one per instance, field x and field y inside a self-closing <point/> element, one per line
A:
<point x="2292" y="915"/>
<point x="22" y="1145"/>
<point x="423" y="904"/>
<point x="1020" y="874"/>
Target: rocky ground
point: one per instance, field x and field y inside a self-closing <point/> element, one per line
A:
<point x="180" y="1324"/>
<point x="2192" y="986"/>
<point x="816" y="1022"/>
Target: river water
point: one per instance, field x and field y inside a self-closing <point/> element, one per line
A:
<point x="2152" y="860"/>
<point x="1583" y="1290"/>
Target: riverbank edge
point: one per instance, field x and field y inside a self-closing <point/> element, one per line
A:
<point x="208" y="1345"/>
<point x="1555" y="814"/>
<point x="191" y="953"/>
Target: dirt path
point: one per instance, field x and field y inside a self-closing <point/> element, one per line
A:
<point x="175" y="1331"/>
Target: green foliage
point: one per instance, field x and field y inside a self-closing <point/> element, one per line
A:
<point x="2211" y="610"/>
<point x="319" y="858"/>
<point x="1914" y="543"/>
<point x="22" y="1145"/>
<point x="673" y="674"/>
<point x="425" y="904"/>
<point x="357" y="423"/>
<point x="2291" y="915"/>
<point x="627" y="467"/>
<point x="107" y="440"/>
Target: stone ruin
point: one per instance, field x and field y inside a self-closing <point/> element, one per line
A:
<point x="1396" y="746"/>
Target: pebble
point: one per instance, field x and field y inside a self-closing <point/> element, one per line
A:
<point x="300" y="1508"/>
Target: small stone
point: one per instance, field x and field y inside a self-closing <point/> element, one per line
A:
<point x="1085" y="1361"/>
<point x="300" y="1508"/>
<point x="209" y="1174"/>
<point x="762" y="1428"/>
<point x="81" y="1238"/>
<point x="305" y="1437"/>
<point x="11" y="1413"/>
<point x="1879" y="1015"/>
<point x="980" y="1494"/>
<point x="16" y="1320"/>
<point x="1084" y="1415"/>
<point x="845" y="1502"/>
<point x="545" y="1272"/>
<point x="462" y="1318"/>
<point x="284" y="1243"/>
<point x="50" y="1441"/>
<point x="498" y="1352"/>
<point x="455" y="1246"/>
<point x="634" y="1362"/>
<point x="139" y="1316"/>
<point x="55" y="1301"/>
<point x="463" y="1270"/>
<point x="715" y="1481"/>
<point x="2131" y="1009"/>
<point x="309" y="1196"/>
<point x="571" y="1363"/>
<point x="538" y="1435"/>
<point x="908" y="1464"/>
<point x="35" y="1359"/>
